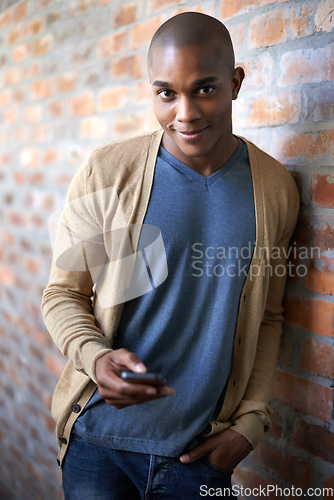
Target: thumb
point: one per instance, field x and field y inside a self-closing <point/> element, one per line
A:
<point x="129" y="360"/>
<point x="196" y="453"/>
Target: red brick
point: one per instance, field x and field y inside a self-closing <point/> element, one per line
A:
<point x="36" y="25"/>
<point x="36" y="178"/>
<point x="82" y="104"/>
<point x="50" y="424"/>
<point x="128" y="66"/>
<point x="49" y="156"/>
<point x="67" y="81"/>
<point x="55" y="364"/>
<point x="276" y="424"/>
<point x="31" y="70"/>
<point x="13" y="76"/>
<point x="113" y="99"/>
<point x="208" y="9"/>
<point x="142" y="33"/>
<point x="56" y="108"/>
<point x="22" y="135"/>
<point x="4" y="98"/>
<point x="230" y="8"/>
<point x="317" y="358"/>
<point x="324" y="104"/>
<point x="11" y="116"/>
<point x="301" y="21"/>
<point x="43" y="45"/>
<point x="42" y="4"/>
<point x="21" y="52"/>
<point x="314" y="439"/>
<point x="4" y="159"/>
<point x="142" y="93"/>
<point x="127" y="124"/>
<point x="52" y="18"/>
<point x="319" y="276"/>
<point x="111" y="45"/>
<point x="286" y="349"/>
<point x="291" y="469"/>
<point x="94" y="127"/>
<point x="5" y="19"/>
<point x="156" y="5"/>
<point x="276" y="109"/>
<point x="43" y="133"/>
<point x="7" y="276"/>
<point x="307" y="66"/>
<point x="280" y="25"/>
<point x="258" y="72"/>
<point x="18" y="95"/>
<point x="41" y="89"/>
<point x="29" y="157"/>
<point x="322" y="190"/>
<point x="314" y="236"/>
<point x="81" y="7"/>
<point x="237" y="32"/>
<point x="314" y="314"/>
<point x="324" y="16"/>
<point x="125" y="15"/>
<point x="303" y="395"/>
<point x="249" y="478"/>
<point x="14" y="34"/>
<point x="298" y="148"/>
<point x="20" y="11"/>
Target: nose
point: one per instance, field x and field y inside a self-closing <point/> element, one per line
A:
<point x="187" y="110"/>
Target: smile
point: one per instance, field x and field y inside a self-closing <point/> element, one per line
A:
<point x="192" y="135"/>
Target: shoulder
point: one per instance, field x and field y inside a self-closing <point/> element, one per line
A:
<point x="128" y="151"/>
<point x="274" y="176"/>
<point x="275" y="189"/>
<point x="118" y="161"/>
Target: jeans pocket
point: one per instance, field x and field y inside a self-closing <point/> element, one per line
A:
<point x="213" y="467"/>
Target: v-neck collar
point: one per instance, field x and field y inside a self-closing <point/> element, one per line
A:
<point x="206" y="181"/>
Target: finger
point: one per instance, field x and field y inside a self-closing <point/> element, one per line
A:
<point x="198" y="452"/>
<point x="119" y="389"/>
<point x="128" y="360"/>
<point x="122" y="402"/>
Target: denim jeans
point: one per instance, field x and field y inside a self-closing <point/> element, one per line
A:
<point x="91" y="472"/>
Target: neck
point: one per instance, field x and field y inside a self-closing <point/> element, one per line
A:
<point x="206" y="164"/>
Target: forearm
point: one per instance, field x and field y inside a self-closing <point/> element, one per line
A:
<point x="69" y="318"/>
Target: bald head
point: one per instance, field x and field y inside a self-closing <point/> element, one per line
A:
<point x="193" y="29"/>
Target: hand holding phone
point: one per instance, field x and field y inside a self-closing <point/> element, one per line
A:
<point x="143" y="378"/>
<point x="136" y="387"/>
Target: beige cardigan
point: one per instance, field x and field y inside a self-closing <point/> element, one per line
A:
<point x="83" y="330"/>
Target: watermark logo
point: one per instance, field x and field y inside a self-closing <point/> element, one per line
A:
<point x="268" y="490"/>
<point x="233" y="261"/>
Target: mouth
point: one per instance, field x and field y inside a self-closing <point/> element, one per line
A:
<point x="192" y="135"/>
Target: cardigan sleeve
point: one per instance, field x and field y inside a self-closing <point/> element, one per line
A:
<point x="252" y="417"/>
<point x="67" y="299"/>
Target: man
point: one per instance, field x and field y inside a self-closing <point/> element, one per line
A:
<point x="212" y="327"/>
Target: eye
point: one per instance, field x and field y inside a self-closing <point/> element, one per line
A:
<point x="205" y="90"/>
<point x="166" y="94"/>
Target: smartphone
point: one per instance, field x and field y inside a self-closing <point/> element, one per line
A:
<point x="143" y="378"/>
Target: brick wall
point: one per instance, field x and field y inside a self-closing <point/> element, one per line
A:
<point x="72" y="76"/>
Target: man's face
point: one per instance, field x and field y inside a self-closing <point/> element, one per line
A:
<point x="192" y="100"/>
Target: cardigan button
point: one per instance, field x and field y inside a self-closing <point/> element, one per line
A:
<point x="76" y="408"/>
<point x="63" y="440"/>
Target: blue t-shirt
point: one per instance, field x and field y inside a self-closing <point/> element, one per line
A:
<point x="185" y="327"/>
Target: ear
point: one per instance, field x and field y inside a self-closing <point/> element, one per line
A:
<point x="238" y="76"/>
